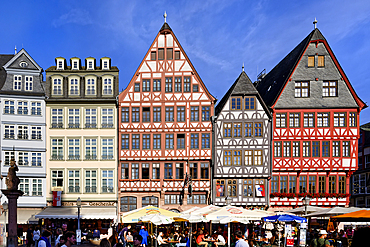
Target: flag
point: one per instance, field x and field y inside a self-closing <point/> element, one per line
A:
<point x="219" y="190"/>
<point x="260" y="190"/>
<point x="57" y="198"/>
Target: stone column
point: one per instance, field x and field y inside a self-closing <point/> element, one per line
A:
<point x="12" y="195"/>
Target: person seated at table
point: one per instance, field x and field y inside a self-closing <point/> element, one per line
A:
<point x="129" y="237"/>
<point x="161" y="241"/>
<point x="220" y="240"/>
<point x="200" y="239"/>
<point x="176" y="236"/>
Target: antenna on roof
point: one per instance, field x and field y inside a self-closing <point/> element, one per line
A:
<point x="165" y="17"/>
<point x="243" y="67"/>
<point x="314" y="23"/>
<point x="15" y="50"/>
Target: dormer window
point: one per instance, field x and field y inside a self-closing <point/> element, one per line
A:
<point x="17" y="84"/>
<point x="90" y="66"/>
<point x="60" y="64"/>
<point x="73" y="86"/>
<point x="105" y="65"/>
<point x="29" y="83"/>
<point x="90" y="86"/>
<point x="107" y="86"/>
<point x="75" y="65"/>
<point x="57" y="86"/>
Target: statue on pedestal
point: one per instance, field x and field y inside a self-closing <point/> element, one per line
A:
<point x="12" y="181"/>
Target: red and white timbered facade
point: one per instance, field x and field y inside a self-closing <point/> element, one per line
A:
<point x="315" y="126"/>
<point x="165" y="130"/>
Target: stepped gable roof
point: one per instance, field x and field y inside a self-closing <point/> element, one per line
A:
<point x="3" y="60"/>
<point x="242" y="86"/>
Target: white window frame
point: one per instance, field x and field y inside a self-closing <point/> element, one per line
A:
<point x="73" y="118"/>
<point x="22" y="107"/>
<point x="57" y="118"/>
<point x="36" y="108"/>
<point x="57" y="148"/>
<point x="91" y="181"/>
<point x="107" y="180"/>
<point x="36" y="133"/>
<point x="8" y="156"/>
<point x="74" y="180"/>
<point x="9" y="107"/>
<point x="74" y="148"/>
<point x="107" y="85"/>
<point x="107" y="118"/>
<point x="107" y="148"/>
<point x="36" y="159"/>
<point x="17" y="82"/>
<point x="36" y="187"/>
<point x="74" y="86"/>
<point x="59" y="175"/>
<point x="91" y="147"/>
<point x="22" y="132"/>
<point x="23" y="159"/>
<point x="24" y="185"/>
<point x="29" y="83"/>
<point x="91" y="115"/>
<point x="90" y="86"/>
<point x="9" y="132"/>
<point x="57" y="86"/>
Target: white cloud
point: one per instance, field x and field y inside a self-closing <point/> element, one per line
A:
<point x="75" y="16"/>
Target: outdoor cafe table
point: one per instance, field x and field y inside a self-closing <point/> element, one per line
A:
<point x="172" y="242"/>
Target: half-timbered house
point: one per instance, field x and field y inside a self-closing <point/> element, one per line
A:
<point x="165" y="130"/>
<point x="315" y="125"/>
<point x="242" y="146"/>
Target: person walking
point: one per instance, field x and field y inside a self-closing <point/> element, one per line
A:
<point x="60" y="234"/>
<point x="321" y="241"/>
<point x="240" y="242"/>
<point x="70" y="239"/>
<point x="144" y="234"/>
<point x="123" y="235"/>
<point x="36" y="235"/>
<point x="44" y="240"/>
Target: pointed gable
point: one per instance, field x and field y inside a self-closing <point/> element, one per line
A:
<point x="22" y="60"/>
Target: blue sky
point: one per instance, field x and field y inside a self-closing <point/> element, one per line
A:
<point x="218" y="36"/>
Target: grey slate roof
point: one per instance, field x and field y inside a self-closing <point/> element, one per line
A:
<point x="3" y="60"/>
<point x="272" y="84"/>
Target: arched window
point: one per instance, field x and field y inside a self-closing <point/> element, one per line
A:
<point x="128" y="203"/>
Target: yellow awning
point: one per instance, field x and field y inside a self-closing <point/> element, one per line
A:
<point x="134" y="216"/>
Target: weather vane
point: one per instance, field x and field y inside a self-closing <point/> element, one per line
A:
<point x="314" y="23"/>
<point x="165" y="16"/>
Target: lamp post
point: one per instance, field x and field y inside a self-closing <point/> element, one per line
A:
<point x="5" y="208"/>
<point x="228" y="201"/>
<point x="78" y="221"/>
<point x="306" y="201"/>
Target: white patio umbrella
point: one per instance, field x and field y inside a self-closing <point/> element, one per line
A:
<point x="301" y="210"/>
<point x="157" y="219"/>
<point x="234" y="220"/>
<point x="193" y="218"/>
<point x="333" y="211"/>
<point x="190" y="210"/>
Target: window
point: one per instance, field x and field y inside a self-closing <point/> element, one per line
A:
<point x="169" y="141"/>
<point x="171" y="199"/>
<point x="156" y="114"/>
<point x="145" y="171"/>
<point x="124" y="171"/>
<point x="322" y="184"/>
<point x="320" y="61"/>
<point x="169" y="53"/>
<point x="248" y="157"/>
<point x="194" y="113"/>
<point x="258" y="129"/>
<point x="60" y="64"/>
<point x="156" y="171"/>
<point x="57" y="87"/>
<point x="57" y="178"/>
<point x="311" y="61"/>
<point x="168" y="85"/>
<point x="302" y="89"/>
<point x="204" y="171"/>
<point x="149" y="200"/>
<point x="73" y="149"/>
<point x="105" y="64"/>
<point x="323" y="119"/>
<point x="346" y="148"/>
<point x="128" y="203"/>
<point x="90" y="87"/>
<point x="248" y="188"/>
<point x="330" y="89"/>
<point x="205" y="141"/>
<point x="73" y="181"/>
<point x="274" y="184"/>
<point x="340" y="119"/>
<point x="296" y="148"/>
<point x="35" y="108"/>
<point x="135" y="114"/>
<point x="90" y="118"/>
<point x="22" y="132"/>
<point x="249" y="103"/>
<point x="352" y="119"/>
<point x="169" y="114"/>
<point x="283" y="184"/>
<point x="177" y="55"/>
<point x="205" y="113"/>
<point x="197" y="199"/>
<point x="146" y="114"/>
<point x="280" y="120"/>
<point x="220" y="188"/>
<point x="180" y="171"/>
<point x="178" y="84"/>
<point x="227" y="129"/>
<point x="294" y="120"/>
<point x="232" y="189"/>
<point x="227" y="157"/>
<point x="107" y="118"/>
<point x="342" y="184"/>
<point x="306" y="149"/>
<point x="277" y="149"/>
<point x="134" y="171"/>
<point x="237" y="130"/>
<point x="73" y="118"/>
<point x="258" y="157"/>
<point x="195" y="88"/>
<point x="236" y="103"/>
<point x="107" y="181"/>
<point x="75" y="65"/>
<point x="153" y="55"/>
<point x="23" y="159"/>
<point x="125" y="115"/>
<point x="292" y="184"/>
<point x="9" y="107"/>
<point x="146" y="85"/>
<point x="312" y="184"/>
<point x="107" y="86"/>
<point x="237" y="158"/>
<point x="17" y="82"/>
<point x="36" y="187"/>
<point x="332" y="184"/>
<point x="302" y="184"/>
<point x="22" y="108"/>
<point x="160" y="54"/>
<point x="137" y="87"/>
<point x="168" y="171"/>
<point x="187" y="84"/>
<point x="107" y="148"/>
<point x="9" y="156"/>
<point x="90" y="181"/>
<point x="325" y="149"/>
<point x="73" y="87"/>
<point x="309" y="120"/>
<point x="248" y="129"/>
<point x="57" y="149"/>
<point x="36" y="159"/>
<point x="194" y="141"/>
<point x="315" y="149"/>
<point x="286" y="149"/>
<point x="180" y="141"/>
<point x="57" y="118"/>
<point x="336" y="148"/>
<point x="24" y="186"/>
<point x="90" y="149"/>
<point x="156" y="85"/>
<point x="90" y="65"/>
<point x="156" y="141"/>
<point x="146" y="141"/>
<point x="194" y="170"/>
<point x="181" y="113"/>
